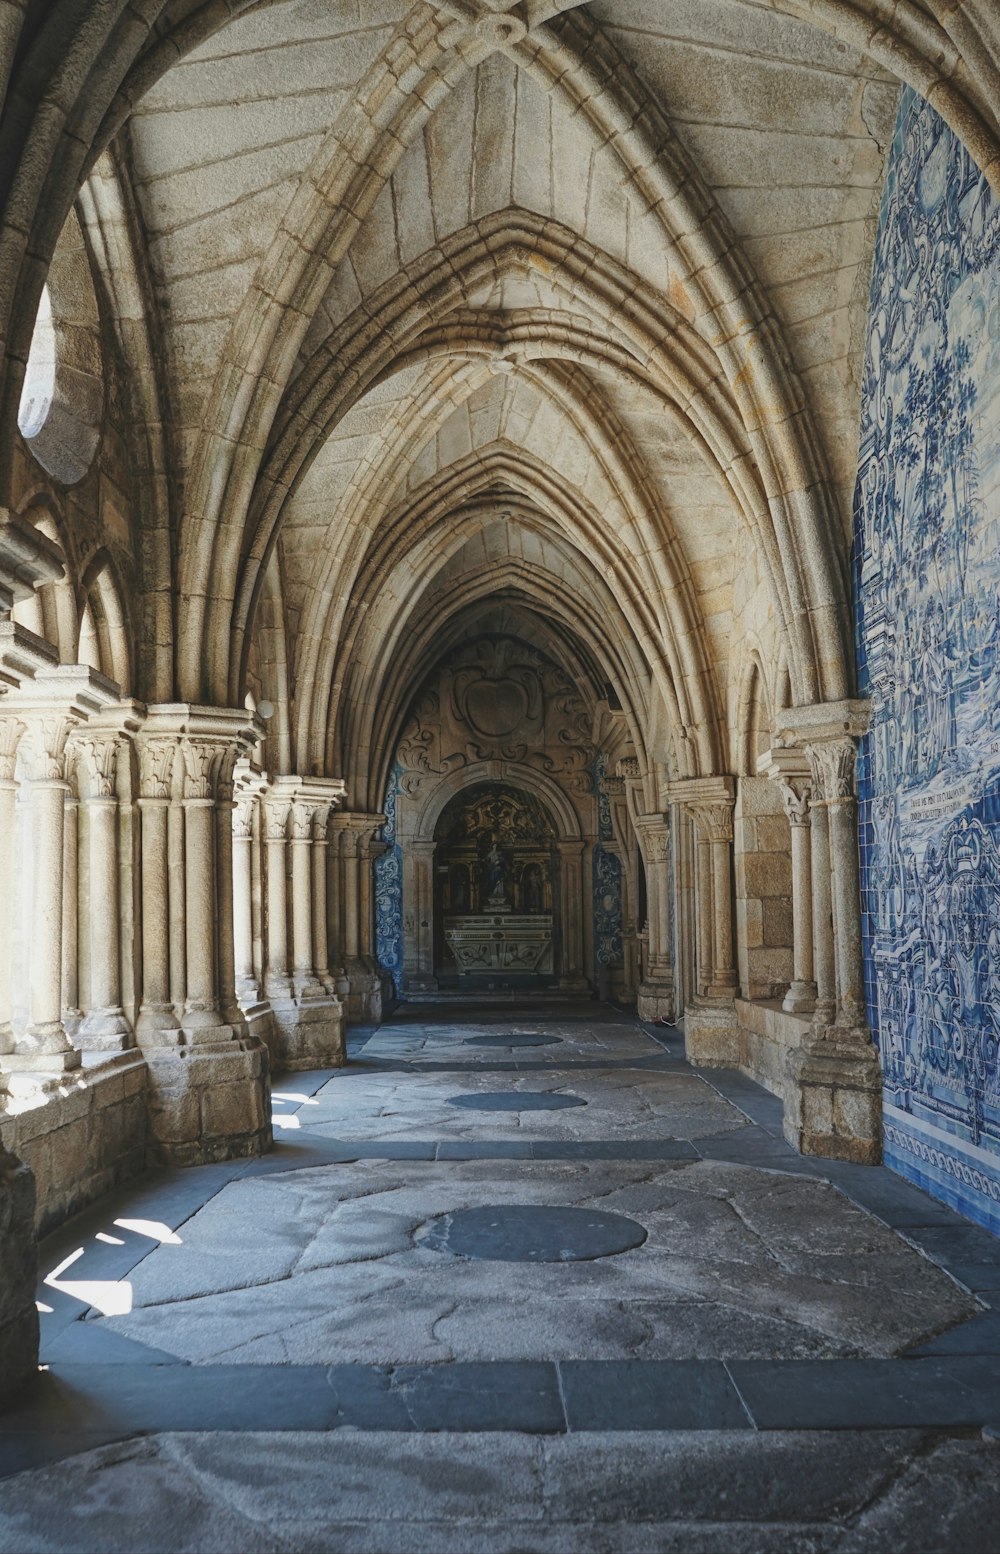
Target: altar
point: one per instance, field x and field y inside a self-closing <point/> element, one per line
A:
<point x="501" y="945"/>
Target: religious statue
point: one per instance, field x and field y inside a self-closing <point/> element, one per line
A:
<point x="496" y="895"/>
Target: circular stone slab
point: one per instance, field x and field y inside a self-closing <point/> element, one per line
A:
<point x="531" y="1233"/>
<point x="515" y="1039"/>
<point x="515" y="1101"/>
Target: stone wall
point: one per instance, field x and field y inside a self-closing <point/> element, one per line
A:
<point x="81" y="1136"/>
<point x="927" y="516"/>
<point x="18" y="1316"/>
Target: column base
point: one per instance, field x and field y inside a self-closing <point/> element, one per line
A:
<point x="711" y="1036"/>
<point x="258" y="1016"/>
<point x="25" y="1061"/>
<point x="833" y="1098"/>
<point x="573" y="984"/>
<point x="307" y="1033"/>
<point x="18" y="1273"/>
<point x="655" y="1000"/>
<point x="208" y="1105"/>
<point x="363" y="1005"/>
<point x="157" y="1026"/>
<point x="800" y="998"/>
<point x="104" y="1030"/>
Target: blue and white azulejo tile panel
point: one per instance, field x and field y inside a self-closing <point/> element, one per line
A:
<point x="927" y="588"/>
<point x="389" y="892"/>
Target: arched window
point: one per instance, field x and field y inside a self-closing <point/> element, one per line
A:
<point x="40" y="377"/>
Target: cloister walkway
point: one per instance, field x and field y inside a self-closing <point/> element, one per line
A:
<point x="516" y="1279"/>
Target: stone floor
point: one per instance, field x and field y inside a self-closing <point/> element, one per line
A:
<point x="516" y="1280"/>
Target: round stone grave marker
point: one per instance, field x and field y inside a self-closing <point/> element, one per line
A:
<point x="515" y="1101"/>
<point x="513" y="1039"/>
<point x="531" y="1233"/>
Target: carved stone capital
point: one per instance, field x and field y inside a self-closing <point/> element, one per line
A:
<point x="97" y="756"/>
<point x="714" y="820"/>
<point x="302" y="815"/>
<point x="276" y="810"/>
<point x="44" y="747"/>
<point x="628" y="767"/>
<point x="834" y="763"/>
<point x="201" y="760"/>
<point x="654" y="837"/>
<point x="11" y="731"/>
<point x="243" y="815"/>
<point x="796" y="798"/>
<point x="156" y="767"/>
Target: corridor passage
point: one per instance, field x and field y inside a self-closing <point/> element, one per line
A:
<point x="516" y="1279"/>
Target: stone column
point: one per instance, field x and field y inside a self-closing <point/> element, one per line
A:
<point x="571" y="897"/>
<point x="801" y="995"/>
<point x="833" y="1098"/>
<point x="105" y="1027"/>
<point x="255" y="1010"/>
<point x="836" y="761"/>
<point x="276" y="979"/>
<point x="209" y="1092"/>
<point x="656" y="991"/>
<point x="247" y="987"/>
<point x="365" y="861"/>
<point x="11" y="730"/>
<point x="72" y="1013"/>
<point x="203" y="1019"/>
<point x="822" y="912"/>
<point x="349" y="865"/>
<point x="335" y="908"/>
<point x="305" y="983"/>
<point x="157" y="1024"/>
<point x="704" y="908"/>
<point x="320" y="906"/>
<point x="229" y="1003"/>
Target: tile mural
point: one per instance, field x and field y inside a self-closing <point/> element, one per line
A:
<point x="927" y="580"/>
<point x="389" y="892"/>
<point x="607" y="879"/>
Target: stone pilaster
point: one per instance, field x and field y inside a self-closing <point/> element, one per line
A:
<point x="790" y="770"/>
<point x="711" y="1039"/>
<point x="656" y="990"/>
<point x="209" y="1088"/>
<point x="833" y="1097"/>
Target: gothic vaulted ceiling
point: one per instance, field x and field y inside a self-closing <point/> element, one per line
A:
<point x="563" y="306"/>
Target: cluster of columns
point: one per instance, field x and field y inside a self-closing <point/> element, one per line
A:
<point x="656" y="990"/>
<point x="832" y="1103"/>
<point x="353" y="851"/>
<point x="280" y="864"/>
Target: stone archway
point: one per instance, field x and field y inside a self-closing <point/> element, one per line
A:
<point x="570" y="846"/>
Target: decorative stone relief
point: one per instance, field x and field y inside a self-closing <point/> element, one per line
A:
<point x="927" y="527"/>
<point x="497" y="699"/>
